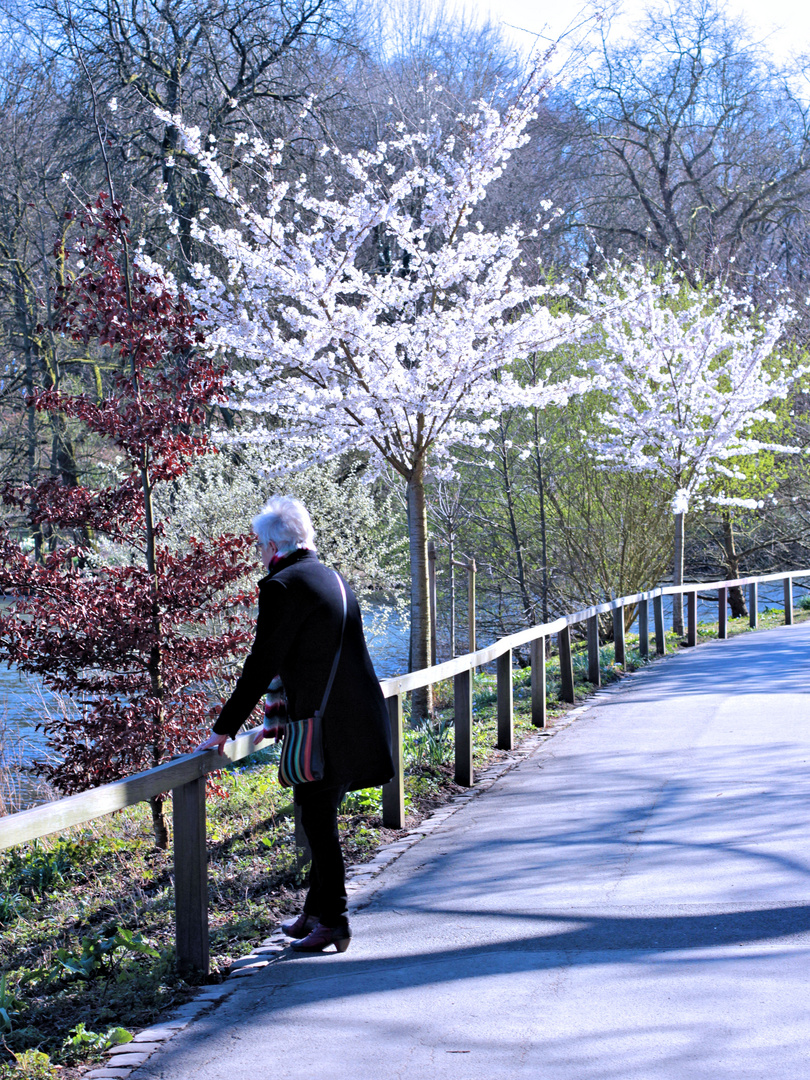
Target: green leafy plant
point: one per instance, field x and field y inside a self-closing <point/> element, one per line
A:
<point x="80" y="1039"/>
<point x="29" y="1065"/>
<point x="485" y="693"/>
<point x="427" y="741"/>
<point x="101" y="956"/>
<point x="36" y="869"/>
<point x="367" y="801"/>
<point x="11" y="905"/>
<point x="10" y="1006"/>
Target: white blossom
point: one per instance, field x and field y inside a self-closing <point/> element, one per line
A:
<point x="404" y="363"/>
<point x="687" y="374"/>
<point x="746" y="504"/>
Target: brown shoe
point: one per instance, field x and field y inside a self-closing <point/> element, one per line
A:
<point x="323" y="936"/>
<point x="300" y="927"/>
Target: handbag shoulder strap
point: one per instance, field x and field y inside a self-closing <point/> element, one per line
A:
<point x="336" y="661"/>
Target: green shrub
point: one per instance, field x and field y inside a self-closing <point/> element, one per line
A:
<point x="101" y="956"/>
<point x="35" y="870"/>
<point x="367" y="801"/>
<point x="427" y="743"/>
<point x="29" y="1065"/>
<point x="10" y="1006"/>
<point x="80" y="1041"/>
<point x="11" y="905"/>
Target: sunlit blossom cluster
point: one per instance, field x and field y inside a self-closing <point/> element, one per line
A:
<point x="688" y="373"/>
<point x="405" y="358"/>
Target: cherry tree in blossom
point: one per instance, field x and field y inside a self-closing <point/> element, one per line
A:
<point x="384" y="320"/>
<point x="688" y="375"/>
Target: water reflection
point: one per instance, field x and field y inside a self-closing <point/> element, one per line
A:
<point x="23" y="703"/>
<point x="387" y="632"/>
<point x="769" y="595"/>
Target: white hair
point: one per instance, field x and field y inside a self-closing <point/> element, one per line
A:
<point x="286" y="522"/>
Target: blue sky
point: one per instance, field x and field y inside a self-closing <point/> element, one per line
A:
<point x="784" y="24"/>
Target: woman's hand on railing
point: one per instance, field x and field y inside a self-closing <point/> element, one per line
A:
<point x="276" y="731"/>
<point x="213" y="741"/>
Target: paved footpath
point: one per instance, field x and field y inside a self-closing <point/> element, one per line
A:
<point x="631" y="902"/>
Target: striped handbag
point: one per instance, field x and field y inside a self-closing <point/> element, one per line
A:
<point x="301" y="759"/>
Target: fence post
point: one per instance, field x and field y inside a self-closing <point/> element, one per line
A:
<point x="393" y="793"/>
<point x="644" y="628"/>
<point x="660" y="636"/>
<point x="506" y="710"/>
<point x="471" y="603"/>
<point x="593" y="651"/>
<point x="722" y="613"/>
<point x="566" y="666"/>
<point x="538" y="655"/>
<point x="691" y="618"/>
<point x="432" y="595"/>
<point x="788" y="583"/>
<point x="753" y="605"/>
<point x="462" y="710"/>
<point x="619" y="653"/>
<point x="190" y="876"/>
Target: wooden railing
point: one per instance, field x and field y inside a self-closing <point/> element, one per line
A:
<point x="185" y="776"/>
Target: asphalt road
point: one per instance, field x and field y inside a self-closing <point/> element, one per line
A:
<point x="630" y="902"/>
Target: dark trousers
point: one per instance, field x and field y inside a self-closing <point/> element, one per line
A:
<point x="327" y="876"/>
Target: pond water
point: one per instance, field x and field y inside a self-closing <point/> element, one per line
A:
<point x="770" y="595"/>
<point x="21" y="708"/>
<point x="387" y="635"/>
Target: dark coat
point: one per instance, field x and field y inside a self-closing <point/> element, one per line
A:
<point x="297" y="635"/>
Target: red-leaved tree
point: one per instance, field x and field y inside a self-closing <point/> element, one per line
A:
<point x="133" y="646"/>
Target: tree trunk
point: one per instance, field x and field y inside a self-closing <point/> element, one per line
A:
<point x="736" y="596"/>
<point x="541" y="492"/>
<point x="22" y="305"/>
<point x="452" y="550"/>
<point x="422" y="699"/>
<point x="159" y="829"/>
<point x="677" y="576"/>
<point x="528" y="607"/>
<point x="31" y="446"/>
<point x="155" y="665"/>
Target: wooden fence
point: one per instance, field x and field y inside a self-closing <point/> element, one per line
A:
<point x="185" y="776"/>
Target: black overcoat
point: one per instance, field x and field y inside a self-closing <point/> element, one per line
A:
<point x="297" y="635"/>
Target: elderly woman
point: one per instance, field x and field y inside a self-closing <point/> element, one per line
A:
<point x="298" y="634"/>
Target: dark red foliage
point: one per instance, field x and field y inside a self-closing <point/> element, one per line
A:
<point x="134" y="648"/>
